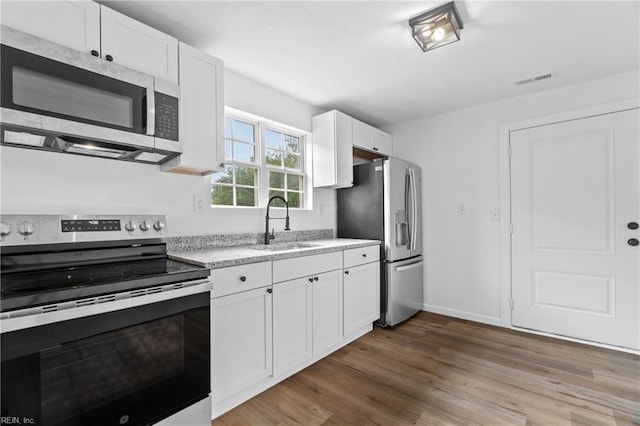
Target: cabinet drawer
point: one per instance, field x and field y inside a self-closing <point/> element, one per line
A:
<point x="288" y="269"/>
<point x="360" y="256"/>
<point x="235" y="279"/>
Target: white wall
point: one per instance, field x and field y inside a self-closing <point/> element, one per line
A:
<point x="34" y="182"/>
<point x="459" y="155"/>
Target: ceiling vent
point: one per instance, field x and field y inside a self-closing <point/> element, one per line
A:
<point x="534" y="79"/>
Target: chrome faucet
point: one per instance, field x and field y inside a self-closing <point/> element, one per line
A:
<point x="268" y="237"/>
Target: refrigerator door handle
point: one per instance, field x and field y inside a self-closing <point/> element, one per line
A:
<point x="414" y="209"/>
<point x="407" y="267"/>
<point x="407" y="195"/>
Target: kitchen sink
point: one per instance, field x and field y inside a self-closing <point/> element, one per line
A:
<point x="284" y="246"/>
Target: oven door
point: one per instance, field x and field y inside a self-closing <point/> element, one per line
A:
<point x="132" y="366"/>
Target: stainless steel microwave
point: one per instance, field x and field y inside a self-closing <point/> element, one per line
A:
<point x="58" y="99"/>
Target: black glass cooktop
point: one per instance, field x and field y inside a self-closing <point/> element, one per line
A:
<point x="33" y="288"/>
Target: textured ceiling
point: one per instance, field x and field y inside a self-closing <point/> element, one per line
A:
<point x="360" y="57"/>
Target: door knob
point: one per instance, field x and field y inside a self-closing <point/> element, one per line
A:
<point x="632" y="225"/>
<point x="633" y="242"/>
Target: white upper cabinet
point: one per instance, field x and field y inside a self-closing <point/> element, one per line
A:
<point x="135" y="45"/>
<point x="335" y="135"/>
<point x="138" y="46"/>
<point x="97" y="30"/>
<point x="332" y="150"/>
<point x="202" y="114"/>
<point x="362" y="135"/>
<point x="75" y="24"/>
<point x="382" y="142"/>
<point x="371" y="139"/>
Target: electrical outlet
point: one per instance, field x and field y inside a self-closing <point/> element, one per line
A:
<point x="462" y="207"/>
<point x="494" y="215"/>
<point x="198" y="204"/>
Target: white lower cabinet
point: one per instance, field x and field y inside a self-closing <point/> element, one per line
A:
<point x="307" y="319"/>
<point x="241" y="345"/>
<point x="292" y="324"/>
<point x="307" y="306"/>
<point x="361" y="296"/>
<point x="327" y="311"/>
<point x="241" y="330"/>
<point x="361" y="288"/>
<point x="269" y="320"/>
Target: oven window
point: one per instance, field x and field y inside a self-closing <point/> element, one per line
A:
<point x="137" y="374"/>
<point x="47" y="93"/>
<point x="79" y="376"/>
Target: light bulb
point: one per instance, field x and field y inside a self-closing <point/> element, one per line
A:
<point x="438" y="34"/>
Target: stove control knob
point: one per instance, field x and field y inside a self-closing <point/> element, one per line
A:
<point x="144" y="225"/>
<point x="158" y="225"/>
<point x="5" y="229"/>
<point x="130" y="226"/>
<point x="26" y="228"/>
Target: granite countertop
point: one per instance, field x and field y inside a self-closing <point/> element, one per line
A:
<point x="220" y="257"/>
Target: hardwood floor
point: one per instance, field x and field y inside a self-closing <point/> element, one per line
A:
<point x="434" y="370"/>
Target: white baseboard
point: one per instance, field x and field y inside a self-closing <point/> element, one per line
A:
<point x="485" y="319"/>
<point x="498" y="322"/>
<point x="572" y="339"/>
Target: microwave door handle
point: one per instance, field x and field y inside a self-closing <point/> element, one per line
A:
<point x="151" y="111"/>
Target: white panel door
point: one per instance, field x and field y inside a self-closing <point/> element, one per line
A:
<point x="575" y="196"/>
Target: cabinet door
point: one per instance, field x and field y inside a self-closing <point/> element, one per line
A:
<point x="344" y="150"/>
<point x="135" y="45"/>
<point x="327" y="311"/>
<point x="332" y="150"/>
<point x="362" y="135"/>
<point x="292" y="326"/>
<point x="241" y="341"/>
<point x="361" y="296"/>
<point x="382" y="142"/>
<point x="75" y="24"/>
<point x="202" y="114"/>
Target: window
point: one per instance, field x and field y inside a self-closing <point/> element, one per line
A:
<point x="261" y="160"/>
<point x="237" y="184"/>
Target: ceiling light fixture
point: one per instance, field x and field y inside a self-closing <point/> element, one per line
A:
<point x="437" y="27"/>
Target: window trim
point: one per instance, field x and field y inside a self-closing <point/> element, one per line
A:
<point x="260" y="126"/>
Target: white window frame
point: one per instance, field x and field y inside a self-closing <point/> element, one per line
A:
<point x="260" y="126"/>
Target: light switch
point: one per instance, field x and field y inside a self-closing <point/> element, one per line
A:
<point x="494" y="215"/>
<point x="462" y="207"/>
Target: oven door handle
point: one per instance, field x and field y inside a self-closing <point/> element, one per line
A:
<point x="48" y="314"/>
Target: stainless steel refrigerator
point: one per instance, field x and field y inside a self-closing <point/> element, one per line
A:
<point x="385" y="204"/>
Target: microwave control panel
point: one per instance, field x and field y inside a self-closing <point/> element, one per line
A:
<point x="166" y="117"/>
